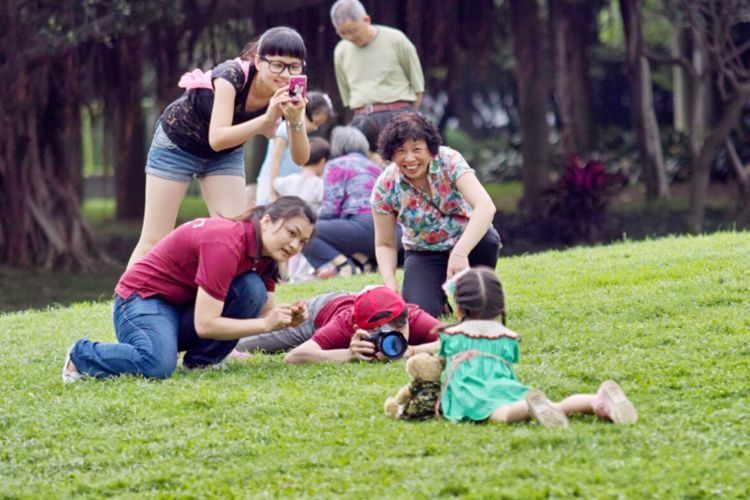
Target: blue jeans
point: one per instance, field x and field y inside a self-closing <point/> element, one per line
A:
<point x="150" y="333"/>
<point x="345" y="236"/>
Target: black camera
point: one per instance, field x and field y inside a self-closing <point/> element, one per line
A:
<point x="392" y="344"/>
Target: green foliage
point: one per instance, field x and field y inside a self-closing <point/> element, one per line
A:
<point x="657" y="24"/>
<point x="60" y="24"/>
<point x="668" y="319"/>
<point x="494" y="158"/>
<point x="574" y="209"/>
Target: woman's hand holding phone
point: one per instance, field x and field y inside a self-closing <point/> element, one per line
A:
<point x="274" y="111"/>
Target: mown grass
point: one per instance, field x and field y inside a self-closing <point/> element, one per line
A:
<point x="669" y="319"/>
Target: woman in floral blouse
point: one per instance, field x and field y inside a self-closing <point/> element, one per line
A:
<point x="443" y="209"/>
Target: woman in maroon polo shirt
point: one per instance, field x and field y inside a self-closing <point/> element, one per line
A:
<point x="207" y="284"/>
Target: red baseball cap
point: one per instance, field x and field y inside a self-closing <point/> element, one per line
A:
<point x="376" y="307"/>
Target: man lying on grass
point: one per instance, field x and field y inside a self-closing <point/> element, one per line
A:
<point x="340" y="327"/>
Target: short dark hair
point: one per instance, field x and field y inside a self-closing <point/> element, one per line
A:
<point x="396" y="322"/>
<point x="369" y="128"/>
<point x="408" y="125"/>
<point x="319" y="150"/>
<point x="317" y="101"/>
<point x="279" y="41"/>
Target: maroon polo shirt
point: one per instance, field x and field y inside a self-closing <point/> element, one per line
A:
<point x="334" y="324"/>
<point x="207" y="253"/>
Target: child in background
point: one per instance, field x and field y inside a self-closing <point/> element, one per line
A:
<point x="278" y="161"/>
<point x="307" y="184"/>
<point x="478" y="380"/>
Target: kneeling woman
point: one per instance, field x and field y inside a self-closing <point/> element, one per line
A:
<point x="207" y="284"/>
<point x="445" y="212"/>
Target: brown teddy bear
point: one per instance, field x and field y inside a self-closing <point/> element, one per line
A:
<point x="420" y="399"/>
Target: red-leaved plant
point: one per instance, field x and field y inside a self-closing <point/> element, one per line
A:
<point x="574" y="209"/>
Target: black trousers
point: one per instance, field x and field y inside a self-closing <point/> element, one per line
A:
<point x="426" y="271"/>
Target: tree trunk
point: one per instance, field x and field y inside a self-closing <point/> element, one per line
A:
<point x="702" y="162"/>
<point x="40" y="159"/>
<point x="680" y="47"/>
<point x="532" y="93"/>
<point x="127" y="126"/>
<point x="570" y="25"/>
<point x="644" y="118"/>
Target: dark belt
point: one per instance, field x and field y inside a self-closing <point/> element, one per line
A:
<point x="391" y="106"/>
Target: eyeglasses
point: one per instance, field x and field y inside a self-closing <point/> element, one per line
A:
<point x="278" y="67"/>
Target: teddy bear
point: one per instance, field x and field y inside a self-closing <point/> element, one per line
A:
<point x="420" y="399"/>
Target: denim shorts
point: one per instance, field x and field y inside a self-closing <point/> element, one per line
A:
<point x="168" y="161"/>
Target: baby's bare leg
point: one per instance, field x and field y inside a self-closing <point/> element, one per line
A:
<point x="508" y="414"/>
<point x="577" y="403"/>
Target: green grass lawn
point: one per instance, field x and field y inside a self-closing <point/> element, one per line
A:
<point x="668" y="319"/>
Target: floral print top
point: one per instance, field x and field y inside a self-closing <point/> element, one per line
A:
<point x="347" y="184"/>
<point x="429" y="223"/>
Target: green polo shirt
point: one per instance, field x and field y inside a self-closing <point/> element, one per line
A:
<point x="386" y="70"/>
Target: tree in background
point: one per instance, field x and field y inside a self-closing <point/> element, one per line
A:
<point x="572" y="26"/>
<point x="717" y="29"/>
<point x="642" y="103"/>
<point x="40" y="100"/>
<point x="533" y="84"/>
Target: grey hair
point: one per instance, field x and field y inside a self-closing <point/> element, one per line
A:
<point x="345" y="140"/>
<point x="347" y="10"/>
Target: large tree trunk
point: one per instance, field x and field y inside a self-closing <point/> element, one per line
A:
<point x="40" y="160"/>
<point x="127" y="126"/>
<point x="571" y="22"/>
<point x="532" y="93"/>
<point x="644" y="118"/>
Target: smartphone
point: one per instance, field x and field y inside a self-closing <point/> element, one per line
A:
<point x="298" y="87"/>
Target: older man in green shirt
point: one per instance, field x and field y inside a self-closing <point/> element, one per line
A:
<point x="377" y="68"/>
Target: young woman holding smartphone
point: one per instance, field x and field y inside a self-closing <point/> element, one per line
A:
<point x="201" y="134"/>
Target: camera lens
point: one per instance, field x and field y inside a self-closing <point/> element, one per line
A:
<point x="393" y="345"/>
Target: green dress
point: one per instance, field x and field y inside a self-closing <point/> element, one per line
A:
<point x="478" y="377"/>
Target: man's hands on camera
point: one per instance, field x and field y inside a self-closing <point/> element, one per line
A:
<point x="362" y="349"/>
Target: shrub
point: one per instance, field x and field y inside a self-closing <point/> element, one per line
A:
<point x="574" y="209"/>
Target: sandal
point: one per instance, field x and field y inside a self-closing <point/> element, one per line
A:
<point x="329" y="270"/>
<point x="541" y="410"/>
<point x="612" y="404"/>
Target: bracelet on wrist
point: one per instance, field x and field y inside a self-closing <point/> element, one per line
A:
<point x="297" y="126"/>
<point x="458" y="254"/>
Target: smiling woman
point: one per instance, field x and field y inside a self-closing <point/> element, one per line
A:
<point x="201" y="134"/>
<point x="445" y="212"/>
<point x="207" y="284"/>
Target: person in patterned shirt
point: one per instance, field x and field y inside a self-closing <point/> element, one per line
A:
<point x="444" y="211"/>
<point x="344" y="241"/>
<point x="201" y="133"/>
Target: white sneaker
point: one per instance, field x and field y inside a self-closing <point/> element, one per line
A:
<point x="69" y="376"/>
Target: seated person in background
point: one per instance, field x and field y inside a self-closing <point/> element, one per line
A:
<point x="338" y="322"/>
<point x="344" y="239"/>
<point x="308" y="184"/>
<point x="278" y="161"/>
